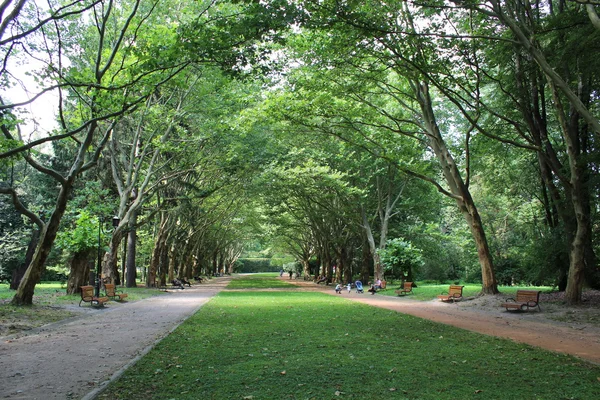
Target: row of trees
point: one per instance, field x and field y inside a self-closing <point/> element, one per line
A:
<point x="135" y="85"/>
<point x="323" y="129"/>
<point x="433" y="88"/>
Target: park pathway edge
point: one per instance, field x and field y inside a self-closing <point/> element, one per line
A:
<point x="78" y="359"/>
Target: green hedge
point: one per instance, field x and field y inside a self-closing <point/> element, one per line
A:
<point x="250" y="265"/>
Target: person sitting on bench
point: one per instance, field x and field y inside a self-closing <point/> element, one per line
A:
<point x="177" y="282"/>
<point x="372" y="289"/>
<point x="186" y="282"/>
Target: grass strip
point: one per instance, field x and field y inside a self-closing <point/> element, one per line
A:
<point x="259" y="281"/>
<point x="293" y="345"/>
<point x="50" y="303"/>
<point x="428" y="291"/>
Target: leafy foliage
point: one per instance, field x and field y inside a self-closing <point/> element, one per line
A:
<point x="401" y="259"/>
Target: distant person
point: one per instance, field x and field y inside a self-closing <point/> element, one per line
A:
<point x="372" y="289"/>
<point x="177" y="282"/>
<point x="349" y="287"/>
<point x="338" y="288"/>
<point x="378" y="284"/>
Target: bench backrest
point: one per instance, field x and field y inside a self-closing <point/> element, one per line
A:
<point x="455" y="289"/>
<point x="408" y="286"/>
<point x="110" y="289"/>
<point x="524" y="296"/>
<point x="87" y="293"/>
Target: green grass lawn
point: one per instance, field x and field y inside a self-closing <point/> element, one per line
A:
<point x="54" y="293"/>
<point x="294" y="345"/>
<point x="49" y="302"/>
<point x="428" y="291"/>
<point x="260" y="281"/>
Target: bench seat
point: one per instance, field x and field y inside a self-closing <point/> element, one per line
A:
<point x="406" y="289"/>
<point x="524" y="300"/>
<point x="87" y="296"/>
<point x="454" y="294"/>
<point x="111" y="293"/>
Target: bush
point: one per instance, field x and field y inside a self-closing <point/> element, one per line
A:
<point x="294" y="267"/>
<point x="401" y="259"/>
<point x="508" y="272"/>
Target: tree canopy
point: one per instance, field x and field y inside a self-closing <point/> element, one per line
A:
<point x="462" y="134"/>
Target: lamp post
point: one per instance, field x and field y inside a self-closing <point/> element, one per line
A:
<point x="115" y="223"/>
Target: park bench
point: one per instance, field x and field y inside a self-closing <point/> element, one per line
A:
<point x="87" y="295"/>
<point x="111" y="293"/>
<point x="453" y="294"/>
<point x="525" y="299"/>
<point x="406" y="289"/>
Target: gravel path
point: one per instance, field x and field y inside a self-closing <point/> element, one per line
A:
<point x="76" y="358"/>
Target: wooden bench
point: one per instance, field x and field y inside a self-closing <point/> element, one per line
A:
<point x="453" y="294"/>
<point x="111" y="293"/>
<point x="87" y="295"/>
<point x="406" y="289"/>
<point x="525" y="299"/>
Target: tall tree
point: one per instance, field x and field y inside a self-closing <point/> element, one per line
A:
<point x="99" y="91"/>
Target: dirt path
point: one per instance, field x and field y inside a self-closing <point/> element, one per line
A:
<point x="484" y="316"/>
<point x="74" y="359"/>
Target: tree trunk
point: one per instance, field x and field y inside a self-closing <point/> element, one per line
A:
<point x="366" y="260"/>
<point x="131" y="270"/>
<point x="159" y="243"/>
<point x="377" y="269"/>
<point x="80" y="270"/>
<point x="18" y="273"/>
<point x="110" y="269"/>
<point x="163" y="260"/>
<point x="305" y="268"/>
<point x="24" y="295"/>
<point x="171" y="264"/>
<point x="458" y="188"/>
<point x="575" y="281"/>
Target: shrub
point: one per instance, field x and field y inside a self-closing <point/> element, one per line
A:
<point x="251" y="265"/>
<point x="401" y="259"/>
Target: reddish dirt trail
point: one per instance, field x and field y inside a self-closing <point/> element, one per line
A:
<point x="532" y="328"/>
